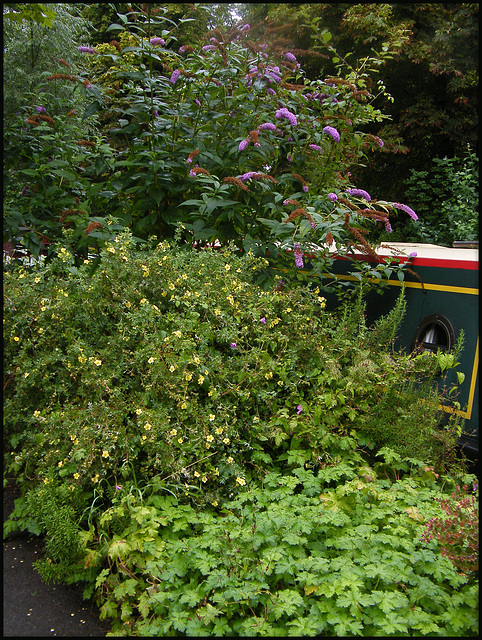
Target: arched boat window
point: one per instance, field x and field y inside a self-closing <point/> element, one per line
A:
<point x="433" y="333"/>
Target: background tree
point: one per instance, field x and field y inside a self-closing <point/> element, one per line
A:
<point x="432" y="75"/>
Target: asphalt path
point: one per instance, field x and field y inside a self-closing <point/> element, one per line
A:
<point x="33" y="609"/>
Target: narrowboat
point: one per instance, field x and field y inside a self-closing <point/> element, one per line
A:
<point x="441" y="302"/>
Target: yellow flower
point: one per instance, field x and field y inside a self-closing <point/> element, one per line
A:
<point x="138" y="411"/>
<point x="147" y="426"/>
<point x="86" y="261"/>
<point x="288" y="310"/>
<point x="204" y="479"/>
<point x="215" y="503"/>
<point x="128" y="304"/>
<point x="98" y="362"/>
<point x="177" y="333"/>
<point x="173" y="432"/>
<point x="196" y="474"/>
<point x="216" y="471"/>
<point x="183" y="405"/>
<point x="268" y="375"/>
<point x="36" y="413"/>
<point x="211" y="417"/>
<point x="172" y="368"/>
<point x="171" y="286"/>
<point x="188" y="377"/>
<point x="195" y="359"/>
<point x="227" y="267"/>
<point x="219" y="430"/>
<point x="105" y="454"/>
<point x="226" y="440"/>
<point x="230" y="460"/>
<point x="82" y="359"/>
<point x="76" y="476"/>
<point x="37" y="279"/>
<point x="210" y="438"/>
<point x="16" y="338"/>
<point x="60" y="464"/>
<point x="144" y="438"/>
<point x="26" y="375"/>
<point x="200" y="380"/>
<point x="240" y="481"/>
<point x="180" y="440"/>
<point x="143" y="301"/>
<point x="95" y="478"/>
<point x="151" y="360"/>
<point x="256" y="419"/>
<point x="111" y="249"/>
<point x="217" y="312"/>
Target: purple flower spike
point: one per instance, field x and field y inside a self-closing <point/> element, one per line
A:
<point x="285" y="113"/>
<point x="243" y="144"/>
<point x="271" y="91"/>
<point x="155" y="41"/>
<point x="233" y="345"/>
<point x="208" y="47"/>
<point x="359" y="193"/>
<point x="413" y="254"/>
<point x="388" y="226"/>
<point x="40" y="109"/>
<point x="404" y="207"/>
<point x="267" y="126"/>
<point x="289" y="56"/>
<point x="263" y="320"/>
<point x="316" y="147"/>
<point x="174" y="76"/>
<point x="298" y="256"/>
<point x="331" y="131"/>
<point x="86" y="50"/>
<point x="333" y="197"/>
<point x="197" y="102"/>
<point x="245" y="28"/>
<point x="305" y="188"/>
<point x="299" y="409"/>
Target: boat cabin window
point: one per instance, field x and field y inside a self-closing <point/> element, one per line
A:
<point x="433" y="333"/>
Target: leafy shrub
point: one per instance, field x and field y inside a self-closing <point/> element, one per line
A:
<point x="227" y="138"/>
<point x="446" y="199"/>
<point x="175" y="363"/>
<point x="165" y="385"/>
<point x="336" y="553"/>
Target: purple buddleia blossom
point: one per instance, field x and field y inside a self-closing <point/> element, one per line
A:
<point x="263" y="320"/>
<point x="245" y="28"/>
<point x="86" y="50"/>
<point x="289" y="56"/>
<point x="305" y="188"/>
<point x="271" y="91"/>
<point x="298" y="256"/>
<point x="197" y="102"/>
<point x="263" y="47"/>
<point x="243" y="144"/>
<point x="316" y="147"/>
<point x="359" y="193"/>
<point x="267" y="126"/>
<point x="156" y="41"/>
<point x="379" y="141"/>
<point x="331" y="131"/>
<point x="404" y="207"/>
<point x="192" y="173"/>
<point x="40" y="109"/>
<point x="272" y="76"/>
<point x="208" y="47"/>
<point x="413" y="254"/>
<point x="233" y="345"/>
<point x="388" y="226"/>
<point x="249" y="176"/>
<point x="285" y="113"/>
<point x="333" y="197"/>
<point x="174" y="76"/>
<point x="299" y="409"/>
<point x="155" y="113"/>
